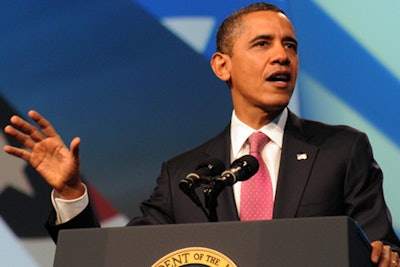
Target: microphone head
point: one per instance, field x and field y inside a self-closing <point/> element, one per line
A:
<point x="247" y="166"/>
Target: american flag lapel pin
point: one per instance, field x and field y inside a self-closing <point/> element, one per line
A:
<point x="301" y="156"/>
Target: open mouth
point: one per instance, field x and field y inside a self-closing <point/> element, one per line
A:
<point x="279" y="77"/>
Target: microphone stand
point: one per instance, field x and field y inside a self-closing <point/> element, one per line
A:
<point x="211" y="205"/>
<point x="211" y="199"/>
<point x="211" y="190"/>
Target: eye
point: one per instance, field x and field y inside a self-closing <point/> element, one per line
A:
<point x="262" y="43"/>
<point x="291" y="45"/>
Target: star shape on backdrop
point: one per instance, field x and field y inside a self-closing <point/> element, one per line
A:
<point x="12" y="172"/>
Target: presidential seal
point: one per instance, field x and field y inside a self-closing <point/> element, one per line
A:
<point x="195" y="257"/>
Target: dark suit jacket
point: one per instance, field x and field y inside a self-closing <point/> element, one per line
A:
<point x="338" y="177"/>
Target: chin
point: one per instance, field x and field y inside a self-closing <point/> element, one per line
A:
<point x="279" y="104"/>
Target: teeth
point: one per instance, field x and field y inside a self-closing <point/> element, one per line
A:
<point x="279" y="77"/>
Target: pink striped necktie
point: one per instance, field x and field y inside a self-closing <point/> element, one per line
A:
<point x="256" y="198"/>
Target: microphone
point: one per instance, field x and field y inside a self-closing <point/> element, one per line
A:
<point x="208" y="168"/>
<point x="241" y="169"/>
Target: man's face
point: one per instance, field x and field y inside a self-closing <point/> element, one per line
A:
<point x="263" y="64"/>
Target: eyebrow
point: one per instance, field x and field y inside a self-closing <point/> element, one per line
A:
<point x="269" y="37"/>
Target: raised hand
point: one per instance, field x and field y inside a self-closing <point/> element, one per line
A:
<point x="44" y="149"/>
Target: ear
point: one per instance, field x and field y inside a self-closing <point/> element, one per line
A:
<point x="220" y="64"/>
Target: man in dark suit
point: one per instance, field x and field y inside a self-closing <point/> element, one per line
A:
<point x="314" y="169"/>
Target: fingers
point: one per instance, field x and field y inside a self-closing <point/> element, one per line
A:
<point x="22" y="138"/>
<point x="386" y="256"/>
<point x="383" y="255"/>
<point x="27" y="134"/>
<point x="44" y="124"/>
<point x="26" y="128"/>
<point x="377" y="247"/>
<point x="18" y="152"/>
<point x="394" y="262"/>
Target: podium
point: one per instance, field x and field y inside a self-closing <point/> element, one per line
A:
<point x="325" y="241"/>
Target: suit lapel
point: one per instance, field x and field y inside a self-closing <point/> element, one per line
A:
<point x="297" y="160"/>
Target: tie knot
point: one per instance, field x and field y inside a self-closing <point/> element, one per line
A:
<point x="257" y="141"/>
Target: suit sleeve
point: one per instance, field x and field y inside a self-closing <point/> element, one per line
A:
<point x="85" y="219"/>
<point x="363" y="194"/>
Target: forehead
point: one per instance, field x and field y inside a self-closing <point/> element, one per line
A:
<point x="266" y="22"/>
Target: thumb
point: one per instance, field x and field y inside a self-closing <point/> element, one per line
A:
<point x="74" y="148"/>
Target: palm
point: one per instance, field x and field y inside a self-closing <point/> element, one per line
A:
<point x="54" y="162"/>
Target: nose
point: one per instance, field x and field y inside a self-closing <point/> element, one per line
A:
<point x="280" y="55"/>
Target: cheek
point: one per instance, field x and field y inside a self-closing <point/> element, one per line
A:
<point x="248" y="70"/>
<point x="294" y="63"/>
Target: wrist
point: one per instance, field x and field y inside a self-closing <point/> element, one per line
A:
<point x="71" y="192"/>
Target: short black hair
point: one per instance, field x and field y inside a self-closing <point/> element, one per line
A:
<point x="229" y="28"/>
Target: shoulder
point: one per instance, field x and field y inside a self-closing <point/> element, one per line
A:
<point x="311" y="128"/>
<point x="321" y="134"/>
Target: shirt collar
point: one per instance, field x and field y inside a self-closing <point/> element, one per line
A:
<point x="241" y="131"/>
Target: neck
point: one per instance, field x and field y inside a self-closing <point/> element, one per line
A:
<point x="257" y="120"/>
